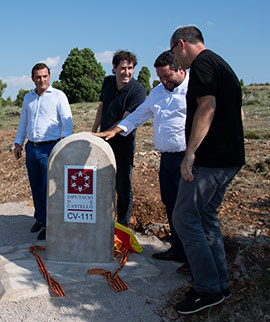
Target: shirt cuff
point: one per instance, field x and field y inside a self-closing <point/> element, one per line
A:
<point x="18" y="144"/>
<point x="124" y="129"/>
<point x="126" y="126"/>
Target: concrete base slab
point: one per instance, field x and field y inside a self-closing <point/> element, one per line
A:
<point x="21" y="278"/>
<point x="24" y="294"/>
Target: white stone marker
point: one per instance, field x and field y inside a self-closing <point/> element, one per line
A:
<point x="80" y="200"/>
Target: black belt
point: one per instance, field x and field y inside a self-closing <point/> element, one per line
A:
<point x="43" y="142"/>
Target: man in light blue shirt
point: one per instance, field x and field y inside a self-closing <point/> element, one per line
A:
<point x="166" y="103"/>
<point x="45" y="119"/>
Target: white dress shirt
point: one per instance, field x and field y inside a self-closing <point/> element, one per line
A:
<point x="169" y="112"/>
<point x="44" y="118"/>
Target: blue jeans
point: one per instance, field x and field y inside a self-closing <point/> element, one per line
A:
<point x="195" y="220"/>
<point x="36" y="163"/>
<point x="169" y="178"/>
<point x="124" y="155"/>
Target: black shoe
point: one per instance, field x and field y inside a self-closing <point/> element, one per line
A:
<point x="37" y="226"/>
<point x="42" y="234"/>
<point x="169" y="256"/>
<point x="184" y="269"/>
<point x="227" y="293"/>
<point x="197" y="301"/>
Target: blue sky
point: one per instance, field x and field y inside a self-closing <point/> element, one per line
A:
<point x="34" y="31"/>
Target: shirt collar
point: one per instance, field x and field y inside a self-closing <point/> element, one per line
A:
<point x="48" y="90"/>
<point x="183" y="84"/>
<point x="180" y="86"/>
<point x="125" y="88"/>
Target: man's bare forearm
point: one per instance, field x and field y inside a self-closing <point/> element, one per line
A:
<point x="201" y="124"/>
<point x="97" y="118"/>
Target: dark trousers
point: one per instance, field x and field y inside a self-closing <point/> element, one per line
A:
<point x="169" y="178"/>
<point x="195" y="220"/>
<point x="124" y="155"/>
<point x="36" y="164"/>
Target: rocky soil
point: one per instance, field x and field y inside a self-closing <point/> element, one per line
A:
<point x="244" y="216"/>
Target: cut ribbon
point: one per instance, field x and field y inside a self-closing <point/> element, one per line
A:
<point x="124" y="241"/>
<point x="53" y="284"/>
<point x="115" y="281"/>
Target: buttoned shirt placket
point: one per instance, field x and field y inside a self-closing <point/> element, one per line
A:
<point x="38" y="102"/>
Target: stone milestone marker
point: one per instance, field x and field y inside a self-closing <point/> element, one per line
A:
<point x="80" y="200"/>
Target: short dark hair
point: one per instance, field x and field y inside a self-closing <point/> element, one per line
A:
<point x="165" y="59"/>
<point x="189" y="34"/>
<point x="39" y="66"/>
<point x="124" y="55"/>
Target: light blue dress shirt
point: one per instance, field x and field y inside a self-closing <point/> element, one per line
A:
<point x="169" y="112"/>
<point x="44" y="118"/>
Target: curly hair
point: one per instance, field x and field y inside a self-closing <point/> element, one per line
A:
<point x="124" y="55"/>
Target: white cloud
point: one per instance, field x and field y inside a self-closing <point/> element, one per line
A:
<point x="52" y="62"/>
<point x="104" y="57"/>
<point x="15" y="83"/>
<point x="210" y="23"/>
<point x="55" y="65"/>
<point x="23" y="81"/>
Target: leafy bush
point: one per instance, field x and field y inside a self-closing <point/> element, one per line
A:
<point x="155" y="83"/>
<point x="252" y="135"/>
<point x="20" y="97"/>
<point x="252" y="102"/>
<point x="12" y="110"/>
<point x="1" y="109"/>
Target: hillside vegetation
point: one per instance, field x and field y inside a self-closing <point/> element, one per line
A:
<point x="244" y="214"/>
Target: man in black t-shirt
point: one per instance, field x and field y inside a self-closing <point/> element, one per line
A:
<point x="121" y="94"/>
<point x="215" y="153"/>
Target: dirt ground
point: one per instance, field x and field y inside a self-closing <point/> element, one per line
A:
<point x="244" y="216"/>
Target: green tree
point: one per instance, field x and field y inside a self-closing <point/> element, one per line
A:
<point x="243" y="87"/>
<point x="7" y="102"/>
<point x="3" y="86"/>
<point x="144" y="78"/>
<point x="155" y="83"/>
<point x="20" y="96"/>
<point x="81" y="77"/>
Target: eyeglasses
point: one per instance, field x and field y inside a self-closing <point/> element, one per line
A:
<point x="171" y="50"/>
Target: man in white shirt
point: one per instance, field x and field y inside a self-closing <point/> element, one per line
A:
<point x="45" y="119"/>
<point x="166" y="103"/>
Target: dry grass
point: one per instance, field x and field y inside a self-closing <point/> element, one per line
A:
<point x="256" y="104"/>
<point x="244" y="214"/>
